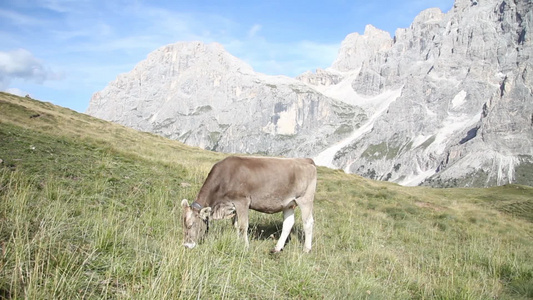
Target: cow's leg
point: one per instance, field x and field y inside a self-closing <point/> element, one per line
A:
<point x="306" y="206"/>
<point x="288" y="222"/>
<point x="241" y="222"/>
<point x="308" y="221"/>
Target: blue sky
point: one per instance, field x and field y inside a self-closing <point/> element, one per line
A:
<point x="63" y="51"/>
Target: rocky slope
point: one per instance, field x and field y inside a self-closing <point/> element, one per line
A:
<point x="203" y="96"/>
<point x="465" y="111"/>
<point x="447" y="101"/>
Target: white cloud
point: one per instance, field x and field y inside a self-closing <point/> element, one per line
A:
<point x="16" y="91"/>
<point x="22" y="64"/>
<point x="20" y="19"/>
<point x="67" y="6"/>
<point x="254" y="30"/>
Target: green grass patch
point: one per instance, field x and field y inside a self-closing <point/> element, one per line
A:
<point x="380" y="151"/>
<point x="91" y="209"/>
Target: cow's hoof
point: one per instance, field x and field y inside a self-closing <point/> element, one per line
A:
<point x="274" y="251"/>
<point x="189" y="245"/>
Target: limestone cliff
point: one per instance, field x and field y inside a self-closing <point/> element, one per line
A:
<point x="201" y="95"/>
<point x="464" y="115"/>
<point x="445" y="102"/>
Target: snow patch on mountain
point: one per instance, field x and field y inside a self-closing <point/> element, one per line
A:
<point x="382" y="102"/>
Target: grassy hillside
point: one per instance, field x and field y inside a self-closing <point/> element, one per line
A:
<point x="90" y="209"/>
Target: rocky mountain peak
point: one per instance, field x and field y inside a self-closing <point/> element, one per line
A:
<point x="205" y="97"/>
<point x="185" y="56"/>
<point x="446" y="102"/>
<point x="356" y="48"/>
<point x="430" y="15"/>
<point x="460" y="5"/>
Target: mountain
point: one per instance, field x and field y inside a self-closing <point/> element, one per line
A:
<point x="445" y="102"/>
<point x="205" y="97"/>
<point x="465" y="113"/>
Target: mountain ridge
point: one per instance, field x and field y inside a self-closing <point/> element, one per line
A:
<point x="445" y="102"/>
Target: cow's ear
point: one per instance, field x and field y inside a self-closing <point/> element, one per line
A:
<point x="184" y="203"/>
<point x="205" y="212"/>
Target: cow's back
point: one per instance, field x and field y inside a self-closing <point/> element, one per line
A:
<point x="270" y="184"/>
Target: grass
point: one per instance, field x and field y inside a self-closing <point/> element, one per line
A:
<point x="90" y="209"/>
<point x="380" y="151"/>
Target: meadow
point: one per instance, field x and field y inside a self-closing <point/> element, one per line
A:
<point x="91" y="210"/>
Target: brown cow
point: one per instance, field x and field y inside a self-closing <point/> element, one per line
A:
<point x="270" y="185"/>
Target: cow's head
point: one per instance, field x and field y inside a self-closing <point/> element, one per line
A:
<point x="195" y="223"/>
